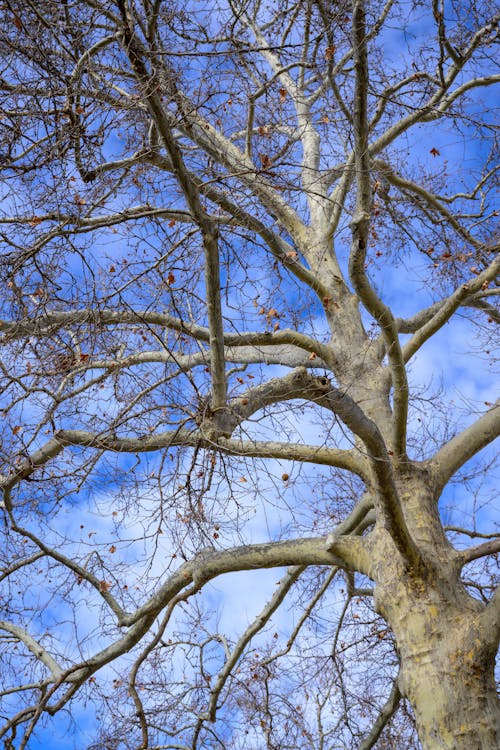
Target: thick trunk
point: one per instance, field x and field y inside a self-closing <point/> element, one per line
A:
<point x="447" y="665"/>
<point x="446" y="651"/>
<point x="452" y="691"/>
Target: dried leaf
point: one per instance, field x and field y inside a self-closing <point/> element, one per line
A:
<point x="265" y="161"/>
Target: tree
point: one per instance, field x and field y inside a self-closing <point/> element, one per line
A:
<point x="229" y="232"/>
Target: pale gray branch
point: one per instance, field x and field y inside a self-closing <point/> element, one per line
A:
<point x="446" y="308"/>
<point x="151" y="87"/>
<point x="454" y="454"/>
<point x="48" y="323"/>
<point x="481" y="550"/>
<point x="360" y="227"/>
<point x="34" y="646"/>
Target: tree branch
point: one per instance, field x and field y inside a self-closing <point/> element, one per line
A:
<point x="151" y="86"/>
<point x="429" y="198"/>
<point x="386" y="499"/>
<point x="256" y="626"/>
<point x="34" y="646"/>
<point x="360" y="226"/>
<point x="448" y="307"/>
<point x="453" y="454"/>
<point x="480" y="550"/>
<point x="46" y="324"/>
<point x="386" y="713"/>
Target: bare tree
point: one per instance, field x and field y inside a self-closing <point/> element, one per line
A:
<point x="214" y="221"/>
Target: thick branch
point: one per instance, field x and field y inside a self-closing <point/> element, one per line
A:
<point x="360" y="227"/>
<point x="480" y="550"/>
<point x="210" y="563"/>
<point x="343" y="459"/>
<point x="448" y="307"/>
<point x="386" y="497"/>
<point x="152" y="86"/>
<point x="45" y="325"/>
<point x="34" y="646"/>
<point x="491" y="620"/>
<point x="453" y="454"/>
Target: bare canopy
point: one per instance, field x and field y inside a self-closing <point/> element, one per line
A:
<point x="229" y="232"/>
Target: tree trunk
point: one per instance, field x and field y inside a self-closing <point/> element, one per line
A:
<point x="451" y="687"/>
<point x="447" y="662"/>
<point x="446" y="650"/>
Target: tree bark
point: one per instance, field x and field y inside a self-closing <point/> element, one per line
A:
<point x="451" y="687"/>
<point x="447" y="674"/>
<point x="446" y="648"/>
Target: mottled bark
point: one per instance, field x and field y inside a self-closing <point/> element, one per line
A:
<point x="445" y="643"/>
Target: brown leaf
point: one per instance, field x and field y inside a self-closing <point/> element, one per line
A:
<point x="434" y="151"/>
<point x="272" y="313"/>
<point x="265" y="161"/>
